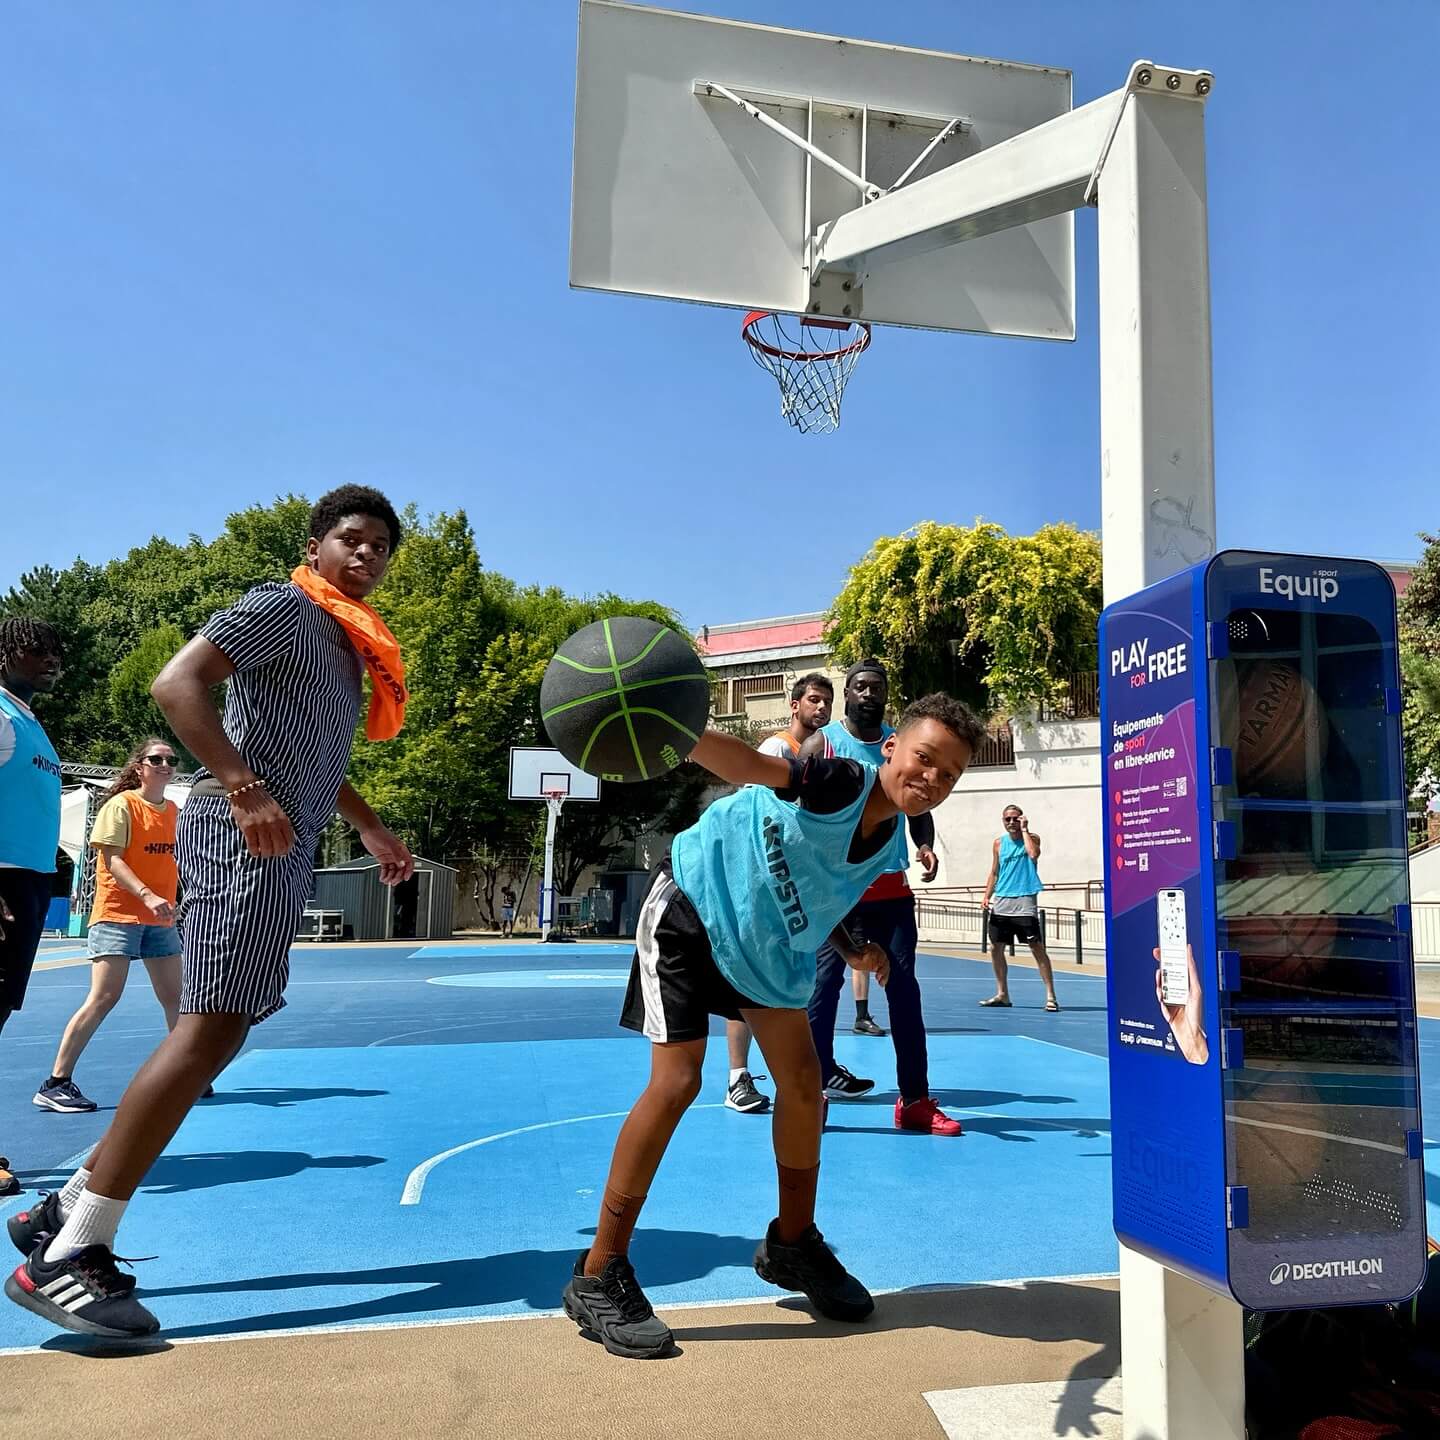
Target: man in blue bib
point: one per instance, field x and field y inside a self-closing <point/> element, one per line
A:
<point x="730" y="928"/>
<point x="29" y="812"/>
<point x="1012" y="896"/>
<point x="884" y="915"/>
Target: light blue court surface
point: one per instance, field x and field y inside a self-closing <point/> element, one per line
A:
<point x="424" y="1136"/>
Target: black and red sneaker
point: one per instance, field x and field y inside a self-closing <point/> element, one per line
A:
<point x="42" y="1221"/>
<point x="84" y="1292"/>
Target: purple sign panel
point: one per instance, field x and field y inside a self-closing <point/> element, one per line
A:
<point x="1152" y="774"/>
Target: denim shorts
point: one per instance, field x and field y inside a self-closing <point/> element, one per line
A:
<point x="134" y="942"/>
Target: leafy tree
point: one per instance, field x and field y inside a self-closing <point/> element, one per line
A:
<point x="1420" y="662"/>
<point x="136" y="714"/>
<point x="1000" y="621"/>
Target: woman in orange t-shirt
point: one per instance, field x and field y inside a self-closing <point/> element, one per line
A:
<point x="134" y="914"/>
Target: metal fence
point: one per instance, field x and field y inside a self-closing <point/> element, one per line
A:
<point x="1070" y="933"/>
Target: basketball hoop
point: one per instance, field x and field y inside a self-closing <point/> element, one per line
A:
<point x="811" y="374"/>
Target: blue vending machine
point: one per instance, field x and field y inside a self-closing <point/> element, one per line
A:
<point x="1263" y="1043"/>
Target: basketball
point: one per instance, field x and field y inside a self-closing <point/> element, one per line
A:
<point x="1275" y="722"/>
<point x="625" y="699"/>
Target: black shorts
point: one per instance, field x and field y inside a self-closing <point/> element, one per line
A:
<point x="675" y="985"/>
<point x="1005" y="928"/>
<point x="27" y="893"/>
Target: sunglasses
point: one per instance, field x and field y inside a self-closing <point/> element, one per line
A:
<point x="162" y="762"/>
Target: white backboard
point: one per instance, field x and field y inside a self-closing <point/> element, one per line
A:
<point x="536" y="770"/>
<point x="685" y="196"/>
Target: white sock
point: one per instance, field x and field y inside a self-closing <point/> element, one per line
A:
<point x="93" y="1220"/>
<point x="74" y="1188"/>
<point x="736" y="1074"/>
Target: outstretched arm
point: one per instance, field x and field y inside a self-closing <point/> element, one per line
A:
<point x="734" y="761"/>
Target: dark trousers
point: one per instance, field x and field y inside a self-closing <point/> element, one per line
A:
<point x="891" y="924"/>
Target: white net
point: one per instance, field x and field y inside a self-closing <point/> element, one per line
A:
<point x="811" y="360"/>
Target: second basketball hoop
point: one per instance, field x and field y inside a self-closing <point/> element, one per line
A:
<point x="811" y="359"/>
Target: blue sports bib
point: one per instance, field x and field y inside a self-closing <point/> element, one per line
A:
<point x="770" y="881"/>
<point x="29" y="791"/>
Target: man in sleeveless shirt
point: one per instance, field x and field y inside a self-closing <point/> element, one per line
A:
<point x="1012" y="896"/>
<point x="884" y="916"/>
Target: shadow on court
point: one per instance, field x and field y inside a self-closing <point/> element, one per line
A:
<point x="279" y="1098"/>
<point x="1042" y="1312"/>
<point x="534" y="1278"/>
<point x="175" y="1174"/>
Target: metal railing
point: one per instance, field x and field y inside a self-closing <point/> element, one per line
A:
<point x="1067" y="933"/>
<point x="1070" y="931"/>
<point x="1081" y="702"/>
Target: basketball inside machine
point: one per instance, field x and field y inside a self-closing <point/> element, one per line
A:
<point x="1266" y="1092"/>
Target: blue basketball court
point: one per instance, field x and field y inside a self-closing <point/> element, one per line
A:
<point x="422" y="1136"/>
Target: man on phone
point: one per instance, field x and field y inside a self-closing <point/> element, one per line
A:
<point x="1012" y="896"/>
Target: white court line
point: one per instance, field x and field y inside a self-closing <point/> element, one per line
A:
<point x="752" y="1301"/>
<point x="415" y="1181"/>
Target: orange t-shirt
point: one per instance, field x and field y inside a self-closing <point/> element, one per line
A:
<point x="146" y="835"/>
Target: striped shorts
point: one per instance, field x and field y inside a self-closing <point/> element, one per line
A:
<point x="238" y="915"/>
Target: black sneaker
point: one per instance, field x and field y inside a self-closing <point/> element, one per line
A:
<point x="9" y="1184"/>
<point x="744" y="1097"/>
<point x="63" y="1096"/>
<point x="612" y="1307"/>
<point x="84" y="1293"/>
<point x="842" y="1085"/>
<point x="864" y="1025"/>
<point x="40" y="1222"/>
<point x="810" y="1266"/>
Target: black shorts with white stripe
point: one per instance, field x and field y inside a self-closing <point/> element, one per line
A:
<point x="238" y="914"/>
<point x="675" y="985"/>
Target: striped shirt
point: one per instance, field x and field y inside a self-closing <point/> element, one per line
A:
<point x="292" y="703"/>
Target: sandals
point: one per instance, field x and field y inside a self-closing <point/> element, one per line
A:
<point x="995" y="1002"/>
<point x="1053" y="1007"/>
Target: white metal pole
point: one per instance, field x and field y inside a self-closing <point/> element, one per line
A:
<point x="1182" y="1345"/>
<point x="547" y="891"/>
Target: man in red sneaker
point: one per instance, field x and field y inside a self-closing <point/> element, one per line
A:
<point x="885" y="916"/>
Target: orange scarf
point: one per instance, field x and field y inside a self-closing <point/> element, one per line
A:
<point x="378" y="648"/>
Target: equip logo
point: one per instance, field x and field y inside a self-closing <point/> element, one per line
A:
<point x="1322" y="585"/>
<point x="1327" y="1270"/>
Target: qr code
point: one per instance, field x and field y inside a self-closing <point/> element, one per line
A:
<point x="1144" y="860"/>
<point x="1182" y="785"/>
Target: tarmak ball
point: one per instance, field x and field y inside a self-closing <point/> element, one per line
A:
<point x="625" y="699"/>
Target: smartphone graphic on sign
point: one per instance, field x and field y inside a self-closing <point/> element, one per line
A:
<point x="1174" y="966"/>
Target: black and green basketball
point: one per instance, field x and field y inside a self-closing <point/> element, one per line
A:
<point x="625" y="699"/>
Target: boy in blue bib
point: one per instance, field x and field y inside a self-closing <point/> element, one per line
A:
<point x="730" y="928"/>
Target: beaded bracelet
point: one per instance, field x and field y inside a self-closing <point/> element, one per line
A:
<point x="241" y="789"/>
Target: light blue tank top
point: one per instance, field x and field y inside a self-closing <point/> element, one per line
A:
<point x="842" y="742"/>
<point x="29" y="791"/>
<point x="1018" y="875"/>
<point x="769" y="882"/>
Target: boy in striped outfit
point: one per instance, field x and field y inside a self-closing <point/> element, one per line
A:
<point x="272" y="775"/>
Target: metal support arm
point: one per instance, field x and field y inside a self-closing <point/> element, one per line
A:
<point x="1035" y="175"/>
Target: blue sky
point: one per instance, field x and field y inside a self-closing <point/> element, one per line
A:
<point x="278" y="246"/>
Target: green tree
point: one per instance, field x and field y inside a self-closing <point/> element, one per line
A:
<point x="1000" y="621"/>
<point x="476" y="646"/>
<point x="135" y="713"/>
<point x="1420" y="665"/>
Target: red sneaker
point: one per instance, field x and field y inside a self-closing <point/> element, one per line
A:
<point x="927" y="1117"/>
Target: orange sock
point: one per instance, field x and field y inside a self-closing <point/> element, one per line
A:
<point x="618" y="1214"/>
<point x="797" y="1200"/>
